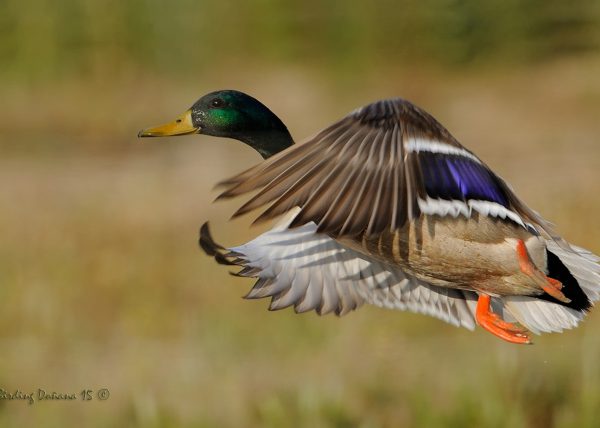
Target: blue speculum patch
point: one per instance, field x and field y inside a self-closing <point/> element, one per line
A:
<point x="460" y="178"/>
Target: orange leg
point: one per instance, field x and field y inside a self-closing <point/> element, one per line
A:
<point x="549" y="285"/>
<point x="496" y="325"/>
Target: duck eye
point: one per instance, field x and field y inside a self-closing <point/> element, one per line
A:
<point x="217" y="102"/>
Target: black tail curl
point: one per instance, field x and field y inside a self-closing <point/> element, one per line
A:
<point x="221" y="255"/>
<point x="571" y="289"/>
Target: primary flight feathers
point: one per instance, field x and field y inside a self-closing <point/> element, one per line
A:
<point x="376" y="169"/>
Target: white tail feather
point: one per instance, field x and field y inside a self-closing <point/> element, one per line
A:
<point x="541" y="316"/>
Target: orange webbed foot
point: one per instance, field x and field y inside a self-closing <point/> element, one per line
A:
<point x="549" y="285"/>
<point x="553" y="288"/>
<point x="496" y="325"/>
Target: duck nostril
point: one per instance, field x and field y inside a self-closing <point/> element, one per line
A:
<point x="178" y="121"/>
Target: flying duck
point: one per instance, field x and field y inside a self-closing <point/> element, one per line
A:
<point x="386" y="207"/>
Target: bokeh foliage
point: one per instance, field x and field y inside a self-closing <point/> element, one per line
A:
<point x="48" y="39"/>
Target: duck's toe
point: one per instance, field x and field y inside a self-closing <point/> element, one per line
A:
<point x="549" y="285"/>
<point x="497" y="326"/>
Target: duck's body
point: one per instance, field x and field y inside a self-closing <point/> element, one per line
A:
<point x="386" y="207"/>
<point x="459" y="253"/>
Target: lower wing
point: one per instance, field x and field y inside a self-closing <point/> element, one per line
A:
<point x="308" y="270"/>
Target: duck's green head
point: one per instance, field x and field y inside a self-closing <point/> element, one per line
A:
<point x="230" y="114"/>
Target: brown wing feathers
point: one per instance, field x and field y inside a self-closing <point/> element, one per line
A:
<point x="349" y="179"/>
<point x="309" y="179"/>
<point x="355" y="177"/>
<point x="318" y="203"/>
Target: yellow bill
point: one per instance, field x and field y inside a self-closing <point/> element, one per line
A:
<point x="180" y="126"/>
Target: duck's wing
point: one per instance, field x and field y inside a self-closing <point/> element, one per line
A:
<point x="308" y="271"/>
<point x="375" y="169"/>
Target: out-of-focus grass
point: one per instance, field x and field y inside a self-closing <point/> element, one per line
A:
<point x="102" y="284"/>
<point x="44" y="41"/>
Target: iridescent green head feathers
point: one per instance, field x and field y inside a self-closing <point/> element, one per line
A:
<point x="230" y="114"/>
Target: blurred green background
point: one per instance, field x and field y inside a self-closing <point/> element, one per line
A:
<point x="101" y="281"/>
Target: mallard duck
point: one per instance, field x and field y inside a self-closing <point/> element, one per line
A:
<point x="386" y="207"/>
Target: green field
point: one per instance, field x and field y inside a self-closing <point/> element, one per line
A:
<point x="102" y="284"/>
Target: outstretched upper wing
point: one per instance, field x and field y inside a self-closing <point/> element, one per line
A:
<point x="373" y="170"/>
